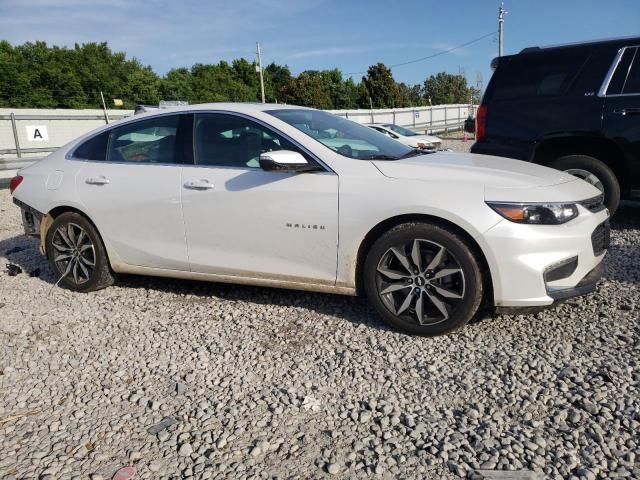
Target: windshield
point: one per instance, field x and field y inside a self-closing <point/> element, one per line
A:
<point x="345" y="137"/>
<point x="401" y="130"/>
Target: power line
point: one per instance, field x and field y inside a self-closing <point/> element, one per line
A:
<point x="435" y="54"/>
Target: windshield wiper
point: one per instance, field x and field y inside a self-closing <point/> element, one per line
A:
<point x="412" y="153"/>
<point x="380" y="156"/>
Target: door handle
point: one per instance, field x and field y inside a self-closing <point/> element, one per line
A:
<point x="199" y="185"/>
<point x="101" y="180"/>
<point x="627" y="111"/>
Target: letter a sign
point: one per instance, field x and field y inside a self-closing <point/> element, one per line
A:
<point x="37" y="133"/>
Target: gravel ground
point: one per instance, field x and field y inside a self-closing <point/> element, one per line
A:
<point x="184" y="379"/>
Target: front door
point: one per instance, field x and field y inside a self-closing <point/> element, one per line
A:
<point x="133" y="193"/>
<point x="242" y="221"/>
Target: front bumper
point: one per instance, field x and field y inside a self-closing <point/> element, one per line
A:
<point x="537" y="265"/>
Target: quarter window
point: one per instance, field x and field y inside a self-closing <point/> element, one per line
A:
<point x="146" y="141"/>
<point x="632" y="85"/>
<point x="622" y="72"/>
<point x="93" y="149"/>
<point x="232" y="141"/>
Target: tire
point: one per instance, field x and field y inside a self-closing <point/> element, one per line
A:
<point x="78" y="259"/>
<point x="602" y="177"/>
<point x="449" y="288"/>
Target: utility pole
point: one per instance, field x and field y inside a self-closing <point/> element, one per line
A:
<point x="501" y="14"/>
<point x="259" y="68"/>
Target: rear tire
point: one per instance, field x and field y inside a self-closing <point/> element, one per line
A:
<point x="77" y="255"/>
<point x="595" y="172"/>
<point x="423" y="279"/>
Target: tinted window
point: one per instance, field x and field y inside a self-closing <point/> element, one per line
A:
<point x="622" y="71"/>
<point x="632" y="85"/>
<point x="232" y="141"/>
<point x="147" y="141"/>
<point x="537" y="75"/>
<point x="93" y="149"/>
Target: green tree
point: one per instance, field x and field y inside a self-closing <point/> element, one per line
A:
<point x="276" y="78"/>
<point x="381" y="86"/>
<point x="310" y="89"/>
<point x="177" y="84"/>
<point x="446" y="88"/>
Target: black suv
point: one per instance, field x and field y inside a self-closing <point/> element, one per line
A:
<point x="572" y="107"/>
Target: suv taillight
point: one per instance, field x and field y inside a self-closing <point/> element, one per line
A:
<point x="481" y="122"/>
<point x="13" y="184"/>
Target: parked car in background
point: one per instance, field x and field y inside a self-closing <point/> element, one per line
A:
<point x="406" y="136"/>
<point x="572" y="107"/>
<point x="299" y="198"/>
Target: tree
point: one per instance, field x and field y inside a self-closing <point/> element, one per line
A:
<point x="381" y="86"/>
<point x="177" y="84"/>
<point x="276" y="78"/>
<point x="444" y="88"/>
<point x="309" y="89"/>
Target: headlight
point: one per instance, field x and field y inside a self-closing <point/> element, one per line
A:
<point x="425" y="145"/>
<point x="536" y="213"/>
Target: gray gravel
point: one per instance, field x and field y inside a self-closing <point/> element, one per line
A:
<point x="183" y="379"/>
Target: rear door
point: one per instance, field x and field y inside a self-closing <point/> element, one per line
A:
<point x="132" y="193"/>
<point x="621" y="119"/>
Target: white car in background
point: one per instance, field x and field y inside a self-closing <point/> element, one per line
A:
<point x="293" y="197"/>
<point x="406" y="136"/>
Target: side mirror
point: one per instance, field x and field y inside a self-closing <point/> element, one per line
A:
<point x="285" y="161"/>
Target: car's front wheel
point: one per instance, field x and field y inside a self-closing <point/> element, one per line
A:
<point x="76" y="254"/>
<point x="423" y="279"/>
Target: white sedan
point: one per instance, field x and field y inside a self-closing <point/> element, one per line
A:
<point x="406" y="136"/>
<point x="298" y="198"/>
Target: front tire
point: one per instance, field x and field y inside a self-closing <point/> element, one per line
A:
<point x="423" y="279"/>
<point x="76" y="254"/>
<point x="595" y="172"/>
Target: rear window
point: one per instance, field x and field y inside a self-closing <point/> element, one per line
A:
<point x="536" y="75"/>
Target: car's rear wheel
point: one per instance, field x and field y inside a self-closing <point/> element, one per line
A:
<point x="76" y="254"/>
<point x="595" y="172"/>
<point x="423" y="279"/>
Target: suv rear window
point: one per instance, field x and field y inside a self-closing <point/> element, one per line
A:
<point x="536" y="75"/>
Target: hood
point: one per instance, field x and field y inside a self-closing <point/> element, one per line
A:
<point x="462" y="168"/>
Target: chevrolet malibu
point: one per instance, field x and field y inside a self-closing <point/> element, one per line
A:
<point x="298" y="198"/>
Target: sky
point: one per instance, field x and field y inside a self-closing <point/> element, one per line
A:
<point x="318" y="34"/>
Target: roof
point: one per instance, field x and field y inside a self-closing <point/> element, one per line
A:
<point x="633" y="40"/>
<point x="238" y="107"/>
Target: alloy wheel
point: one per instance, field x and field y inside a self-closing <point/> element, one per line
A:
<point x="420" y="281"/>
<point x="74" y="253"/>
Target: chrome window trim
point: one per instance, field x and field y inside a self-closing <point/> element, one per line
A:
<point x="612" y="70"/>
<point x="263" y="124"/>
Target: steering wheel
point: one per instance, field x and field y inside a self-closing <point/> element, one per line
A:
<point x="345" y="150"/>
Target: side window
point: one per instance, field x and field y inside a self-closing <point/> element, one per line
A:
<point x="622" y="72"/>
<point x="146" y="141"/>
<point x="93" y="149"/>
<point x="231" y="141"/>
<point x="632" y="85"/>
